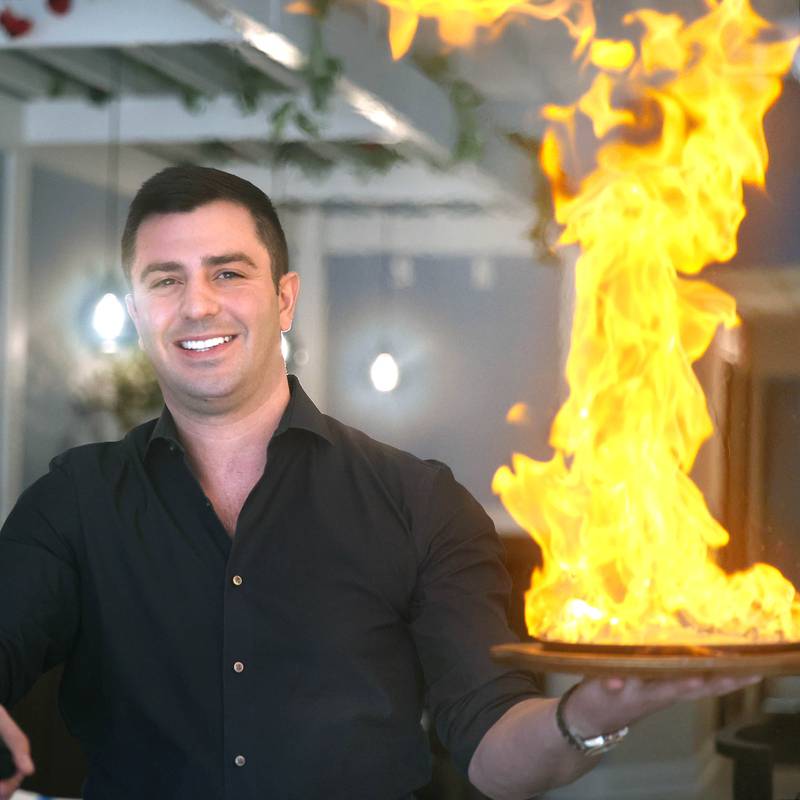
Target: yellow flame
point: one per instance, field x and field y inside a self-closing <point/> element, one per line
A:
<point x="460" y="20"/>
<point x="627" y="539"/>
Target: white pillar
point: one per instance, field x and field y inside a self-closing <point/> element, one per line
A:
<point x="14" y="213"/>
<point x="305" y="230"/>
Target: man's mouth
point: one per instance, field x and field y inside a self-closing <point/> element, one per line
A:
<point x="204" y="345"/>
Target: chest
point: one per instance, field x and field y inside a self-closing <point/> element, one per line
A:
<point x="297" y="555"/>
<point x="228" y="494"/>
<point x="227" y="479"/>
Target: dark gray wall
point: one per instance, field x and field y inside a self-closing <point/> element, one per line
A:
<point x="466" y="356"/>
<point x="770" y="233"/>
<point x="780" y="538"/>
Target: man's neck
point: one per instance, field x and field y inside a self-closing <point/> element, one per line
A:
<point x="214" y="441"/>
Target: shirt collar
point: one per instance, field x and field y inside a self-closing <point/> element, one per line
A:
<point x="300" y="413"/>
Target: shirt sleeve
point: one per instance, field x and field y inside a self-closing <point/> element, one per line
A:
<point x="459" y="610"/>
<point x="39" y="585"/>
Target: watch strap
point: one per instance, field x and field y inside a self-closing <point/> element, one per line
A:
<point x="592" y="745"/>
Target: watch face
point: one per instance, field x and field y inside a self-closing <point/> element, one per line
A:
<point x="597" y="745"/>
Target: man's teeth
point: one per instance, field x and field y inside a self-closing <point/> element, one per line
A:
<point x="205" y="344"/>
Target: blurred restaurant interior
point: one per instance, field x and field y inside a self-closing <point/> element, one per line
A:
<point x="434" y="296"/>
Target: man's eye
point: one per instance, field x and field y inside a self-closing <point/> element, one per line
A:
<point x="228" y="274"/>
<point x="164" y="282"/>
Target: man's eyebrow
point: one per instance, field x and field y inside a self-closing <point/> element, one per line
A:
<point x="229" y="258"/>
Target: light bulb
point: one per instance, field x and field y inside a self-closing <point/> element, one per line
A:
<point x="384" y="373"/>
<point x="108" y="318"/>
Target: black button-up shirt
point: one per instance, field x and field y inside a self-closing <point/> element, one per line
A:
<point x="292" y="661"/>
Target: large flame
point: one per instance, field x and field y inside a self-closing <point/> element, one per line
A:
<point x="460" y="20"/>
<point x="627" y="540"/>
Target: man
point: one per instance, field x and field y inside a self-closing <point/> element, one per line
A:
<point x="252" y="599"/>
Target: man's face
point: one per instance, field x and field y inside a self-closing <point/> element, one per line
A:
<point x="205" y="306"/>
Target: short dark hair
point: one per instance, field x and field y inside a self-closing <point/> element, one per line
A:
<point x="185" y="188"/>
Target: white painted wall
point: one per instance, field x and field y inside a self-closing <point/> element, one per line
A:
<point x="14" y="198"/>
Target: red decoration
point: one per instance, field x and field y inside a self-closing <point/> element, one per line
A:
<point x="14" y="26"/>
<point x="18" y="26"/>
<point x="59" y="6"/>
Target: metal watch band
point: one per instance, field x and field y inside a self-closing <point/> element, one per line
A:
<point x="593" y="745"/>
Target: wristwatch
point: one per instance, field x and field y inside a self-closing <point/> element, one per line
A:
<point x="593" y="745"/>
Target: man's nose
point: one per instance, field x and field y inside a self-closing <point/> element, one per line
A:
<point x="199" y="299"/>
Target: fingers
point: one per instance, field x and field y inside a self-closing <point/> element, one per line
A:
<point x="715" y="686"/>
<point x="17" y="743"/>
<point x="623" y="700"/>
<point x="697" y="687"/>
<point x="692" y="686"/>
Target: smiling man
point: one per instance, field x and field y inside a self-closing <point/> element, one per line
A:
<point x="253" y="600"/>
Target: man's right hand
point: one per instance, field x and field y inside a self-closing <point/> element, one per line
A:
<point x="17" y="742"/>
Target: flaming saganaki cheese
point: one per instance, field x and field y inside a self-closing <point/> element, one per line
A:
<point x="628" y="543"/>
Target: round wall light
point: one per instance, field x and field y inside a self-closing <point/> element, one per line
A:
<point x="384" y="373"/>
<point x="108" y="320"/>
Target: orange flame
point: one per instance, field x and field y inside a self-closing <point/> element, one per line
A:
<point x="518" y="414"/>
<point x="626" y="537"/>
<point x="460" y="20"/>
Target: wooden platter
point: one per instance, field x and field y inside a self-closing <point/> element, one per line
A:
<point x="656" y="661"/>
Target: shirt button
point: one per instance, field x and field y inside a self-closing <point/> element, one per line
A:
<point x="237" y="580"/>
<point x="238" y="666"/>
<point x="240" y="761"/>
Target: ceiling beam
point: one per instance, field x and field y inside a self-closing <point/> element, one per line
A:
<point x="165" y="119"/>
<point x="412" y="185"/>
<point x="252" y="152"/>
<point x="23" y="79"/>
<point x="103" y="71"/>
<point x="277" y="72"/>
<point x="187" y="68"/>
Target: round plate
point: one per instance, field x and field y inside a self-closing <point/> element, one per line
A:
<point x="649" y="662"/>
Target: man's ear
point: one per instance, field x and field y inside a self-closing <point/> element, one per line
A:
<point x="288" y="290"/>
<point x="130" y="304"/>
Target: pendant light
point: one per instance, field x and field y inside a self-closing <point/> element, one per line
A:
<point x="109" y="316"/>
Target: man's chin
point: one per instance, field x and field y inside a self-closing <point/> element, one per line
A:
<point x="213" y="398"/>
